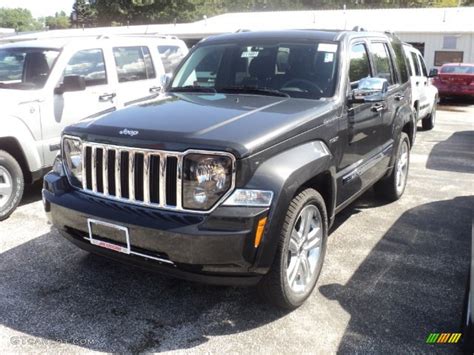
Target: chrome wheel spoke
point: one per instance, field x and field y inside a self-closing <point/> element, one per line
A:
<point x="305" y="269"/>
<point x="293" y="270"/>
<point x="5" y="189"/>
<point x="313" y="243"/>
<point x="294" y="242"/>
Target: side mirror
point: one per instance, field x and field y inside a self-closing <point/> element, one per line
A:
<point x="433" y="73"/>
<point x="165" y="80"/>
<point x="71" y="83"/>
<point x="369" y="90"/>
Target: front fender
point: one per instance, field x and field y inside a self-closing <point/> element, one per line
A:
<point x="284" y="174"/>
<point x="16" y="129"/>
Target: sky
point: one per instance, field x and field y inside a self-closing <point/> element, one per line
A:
<point x="40" y="8"/>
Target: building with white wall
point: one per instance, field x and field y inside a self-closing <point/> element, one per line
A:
<point x="442" y="34"/>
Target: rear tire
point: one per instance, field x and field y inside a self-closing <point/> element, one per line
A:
<point x="429" y="121"/>
<point x="392" y="187"/>
<point x="299" y="258"/>
<point x="11" y="184"/>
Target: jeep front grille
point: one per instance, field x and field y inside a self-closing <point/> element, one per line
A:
<point x="141" y="176"/>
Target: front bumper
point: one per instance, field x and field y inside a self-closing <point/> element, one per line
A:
<point x="217" y="248"/>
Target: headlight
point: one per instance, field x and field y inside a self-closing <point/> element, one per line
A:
<point x="206" y="178"/>
<point x="72" y="156"/>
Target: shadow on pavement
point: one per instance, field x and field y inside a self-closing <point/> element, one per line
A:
<point x="32" y="193"/>
<point x="455" y="154"/>
<point x="52" y="290"/>
<point x="411" y="283"/>
<point x="455" y="104"/>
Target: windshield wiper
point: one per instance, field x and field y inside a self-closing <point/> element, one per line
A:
<point x="253" y="90"/>
<point x="192" y="88"/>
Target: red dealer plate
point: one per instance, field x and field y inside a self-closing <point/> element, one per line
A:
<point x="102" y="233"/>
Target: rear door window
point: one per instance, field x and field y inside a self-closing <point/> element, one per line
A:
<point x="423" y="66"/>
<point x="133" y="63"/>
<point x="416" y="64"/>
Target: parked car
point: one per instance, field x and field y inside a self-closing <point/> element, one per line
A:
<point x="454" y="80"/>
<point x="424" y="96"/>
<point x="237" y="175"/>
<point x="46" y="85"/>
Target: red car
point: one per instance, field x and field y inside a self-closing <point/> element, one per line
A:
<point x="454" y="79"/>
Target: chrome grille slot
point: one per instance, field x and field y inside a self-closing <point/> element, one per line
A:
<point x="141" y="176"/>
<point x="171" y="174"/>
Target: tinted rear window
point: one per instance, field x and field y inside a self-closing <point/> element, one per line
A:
<point x="458" y="69"/>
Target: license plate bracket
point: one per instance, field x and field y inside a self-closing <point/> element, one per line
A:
<point x="121" y="230"/>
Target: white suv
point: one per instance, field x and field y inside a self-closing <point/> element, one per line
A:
<point x="424" y="94"/>
<point x="46" y="85"/>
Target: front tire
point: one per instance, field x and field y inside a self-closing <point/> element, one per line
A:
<point x="11" y="184"/>
<point x="429" y="121"/>
<point x="392" y="187"/>
<point x="300" y="254"/>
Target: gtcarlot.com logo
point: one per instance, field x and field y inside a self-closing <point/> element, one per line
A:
<point x="443" y="338"/>
<point x="32" y="341"/>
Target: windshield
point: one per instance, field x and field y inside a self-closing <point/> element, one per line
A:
<point x="302" y="70"/>
<point x="457" y="69"/>
<point x="25" y="68"/>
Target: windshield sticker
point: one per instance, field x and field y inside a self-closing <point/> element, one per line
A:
<point x="249" y="54"/>
<point x="328" y="57"/>
<point x="327" y="47"/>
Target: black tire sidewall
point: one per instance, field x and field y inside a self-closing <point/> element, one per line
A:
<point x="314" y="198"/>
<point x="9" y="163"/>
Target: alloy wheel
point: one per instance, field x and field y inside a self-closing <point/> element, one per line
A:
<point x="304" y="250"/>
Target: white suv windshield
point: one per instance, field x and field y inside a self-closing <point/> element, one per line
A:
<point x="303" y="70"/>
<point x="25" y="68"/>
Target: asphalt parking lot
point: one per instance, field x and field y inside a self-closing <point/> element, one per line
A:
<point x="393" y="273"/>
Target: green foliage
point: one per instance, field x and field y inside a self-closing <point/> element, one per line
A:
<point x="133" y="12"/>
<point x="84" y="13"/>
<point x="19" y="19"/>
<point x="59" y="21"/>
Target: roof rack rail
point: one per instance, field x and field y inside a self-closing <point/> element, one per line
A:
<point x="358" y="29"/>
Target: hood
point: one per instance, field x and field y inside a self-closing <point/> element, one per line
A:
<point x="241" y="124"/>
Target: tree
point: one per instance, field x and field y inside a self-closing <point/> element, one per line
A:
<point x="19" y="19"/>
<point x="58" y="21"/>
<point x="84" y="14"/>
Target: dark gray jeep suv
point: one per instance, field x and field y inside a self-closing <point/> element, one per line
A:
<point x="235" y="177"/>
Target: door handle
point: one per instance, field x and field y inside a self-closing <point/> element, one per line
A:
<point x="399" y="97"/>
<point x="107" y="97"/>
<point x="377" y="107"/>
<point x="155" y="89"/>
